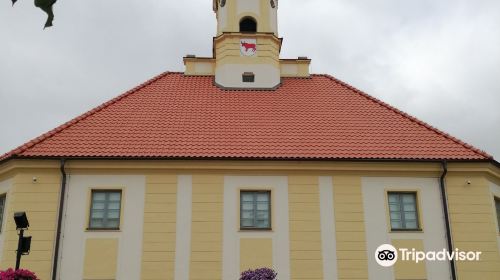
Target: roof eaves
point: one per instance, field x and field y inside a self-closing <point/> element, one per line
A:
<point x="234" y="157"/>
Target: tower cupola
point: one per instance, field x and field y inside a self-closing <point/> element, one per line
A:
<point x="232" y="13"/>
<point x="246" y="51"/>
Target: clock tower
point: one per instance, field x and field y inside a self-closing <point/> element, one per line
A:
<point x="246" y="50"/>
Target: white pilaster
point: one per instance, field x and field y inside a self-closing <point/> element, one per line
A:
<point x="278" y="185"/>
<point x="183" y="230"/>
<point x="328" y="239"/>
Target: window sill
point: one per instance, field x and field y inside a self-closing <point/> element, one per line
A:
<point x="256" y="229"/>
<point x="103" y="230"/>
<point x="406" y="231"/>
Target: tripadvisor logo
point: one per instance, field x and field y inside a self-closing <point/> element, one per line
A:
<point x="387" y="255"/>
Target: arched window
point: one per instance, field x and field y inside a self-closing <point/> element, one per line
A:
<point x="248" y="24"/>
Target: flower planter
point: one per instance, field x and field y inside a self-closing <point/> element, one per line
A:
<point x="259" y="274"/>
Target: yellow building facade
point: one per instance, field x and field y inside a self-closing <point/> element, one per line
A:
<point x="181" y="220"/>
<point x="107" y="200"/>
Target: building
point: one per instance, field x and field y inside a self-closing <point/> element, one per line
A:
<point x="247" y="160"/>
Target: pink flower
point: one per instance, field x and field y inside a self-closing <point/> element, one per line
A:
<point x="21" y="274"/>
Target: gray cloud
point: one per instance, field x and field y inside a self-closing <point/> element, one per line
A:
<point x="437" y="60"/>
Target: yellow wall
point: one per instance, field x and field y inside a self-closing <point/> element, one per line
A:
<point x="40" y="201"/>
<point x="350" y="228"/>
<point x="264" y="19"/>
<point x="202" y="66"/>
<point x="305" y="228"/>
<point x="295" y="67"/>
<point x="227" y="49"/>
<point x="158" y="260"/>
<point x="409" y="270"/>
<point x="473" y="226"/>
<point x="234" y="18"/>
<point x="232" y="22"/>
<point x="471" y="210"/>
<point x="100" y="259"/>
<point x="256" y="253"/>
<point x="199" y="66"/>
<point x="206" y="227"/>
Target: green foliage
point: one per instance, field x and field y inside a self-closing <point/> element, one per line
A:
<point x="46" y="6"/>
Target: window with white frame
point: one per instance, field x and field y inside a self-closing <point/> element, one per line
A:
<point x="497" y="204"/>
<point x="403" y="210"/>
<point x="105" y="209"/>
<point x="2" y="210"/>
<point x="255" y="210"/>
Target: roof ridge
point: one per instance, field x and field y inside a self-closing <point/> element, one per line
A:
<point x="410" y="117"/>
<point x="51" y="133"/>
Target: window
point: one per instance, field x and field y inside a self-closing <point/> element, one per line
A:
<point x="248" y="25"/>
<point x="2" y="208"/>
<point x="255" y="210"/>
<point x="105" y="210"/>
<point x="403" y="211"/>
<point x="497" y="204"/>
<point x="248" y="77"/>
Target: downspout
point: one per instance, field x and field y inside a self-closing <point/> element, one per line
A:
<point x="444" y="198"/>
<point x="59" y="219"/>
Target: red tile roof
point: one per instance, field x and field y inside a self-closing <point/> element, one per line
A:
<point x="178" y="116"/>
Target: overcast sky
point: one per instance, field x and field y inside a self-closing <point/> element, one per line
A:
<point x="438" y="60"/>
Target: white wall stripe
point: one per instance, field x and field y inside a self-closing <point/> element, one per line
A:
<point x="280" y="234"/>
<point x="495" y="189"/>
<point x="328" y="228"/>
<point x="183" y="228"/>
<point x="130" y="236"/>
<point x="376" y="221"/>
<point x="4" y="189"/>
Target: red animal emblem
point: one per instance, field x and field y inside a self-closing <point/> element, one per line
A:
<point x="249" y="46"/>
